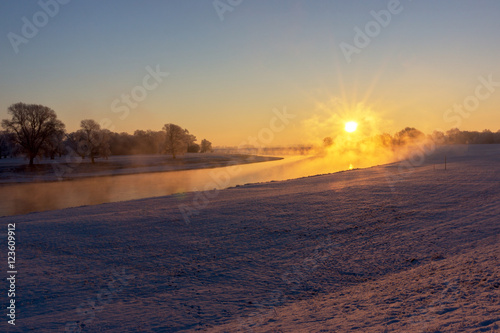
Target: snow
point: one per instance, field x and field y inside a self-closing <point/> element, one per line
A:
<point x="389" y="248"/>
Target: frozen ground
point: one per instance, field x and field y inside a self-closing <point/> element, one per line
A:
<point x="395" y="248"/>
<point x="16" y="170"/>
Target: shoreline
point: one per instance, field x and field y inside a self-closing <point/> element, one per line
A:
<point x="49" y="176"/>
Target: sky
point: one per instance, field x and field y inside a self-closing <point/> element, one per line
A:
<point x="283" y="72"/>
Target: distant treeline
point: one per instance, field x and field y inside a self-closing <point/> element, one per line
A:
<point x="455" y="136"/>
<point x="35" y="131"/>
<point x="410" y="135"/>
<point x="276" y="151"/>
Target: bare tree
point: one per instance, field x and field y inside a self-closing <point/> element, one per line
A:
<point x="54" y="145"/>
<point x="438" y="137"/>
<point x="176" y="140"/>
<point x="192" y="146"/>
<point x="104" y="148"/>
<point x="206" y="146"/>
<point x="327" y="142"/>
<point x="408" y="135"/>
<point x="454" y="135"/>
<point x="121" y="143"/>
<point x="7" y="144"/>
<point x="74" y="142"/>
<point x="32" y="125"/>
<point x="148" y="142"/>
<point x="93" y="141"/>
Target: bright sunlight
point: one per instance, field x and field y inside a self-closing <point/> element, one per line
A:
<point x="351" y="126"/>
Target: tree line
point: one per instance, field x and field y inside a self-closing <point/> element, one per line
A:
<point x="453" y="136"/>
<point x="35" y="131"/>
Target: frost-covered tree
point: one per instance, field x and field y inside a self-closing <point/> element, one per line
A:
<point x="55" y="144"/>
<point x="176" y="139"/>
<point x="7" y="144"/>
<point x="408" y="135"/>
<point x="206" y="146"/>
<point x="93" y="141"/>
<point x="32" y="125"/>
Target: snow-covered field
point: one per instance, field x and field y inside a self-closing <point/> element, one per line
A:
<point x="395" y="248"/>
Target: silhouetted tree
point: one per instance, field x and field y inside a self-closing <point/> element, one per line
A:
<point x="95" y="141"/>
<point x="408" y="135"/>
<point x="55" y="144"/>
<point x="193" y="148"/>
<point x="73" y="142"/>
<point x="385" y="140"/>
<point x="148" y="142"/>
<point x="176" y="139"/>
<point x="7" y="144"/>
<point x="486" y="137"/>
<point x="206" y="146"/>
<point x="455" y="136"/>
<point x="122" y="143"/>
<point x="327" y="142"/>
<point x="104" y="150"/>
<point x="32" y="125"/>
<point x="438" y="137"/>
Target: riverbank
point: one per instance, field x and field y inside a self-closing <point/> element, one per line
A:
<point x="16" y="170"/>
<point x="389" y="248"/>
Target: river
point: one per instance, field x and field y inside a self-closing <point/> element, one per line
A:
<point x="22" y="198"/>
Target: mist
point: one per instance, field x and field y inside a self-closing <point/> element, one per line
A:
<point x="342" y="155"/>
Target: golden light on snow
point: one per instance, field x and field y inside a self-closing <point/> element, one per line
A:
<point x="351" y="126"/>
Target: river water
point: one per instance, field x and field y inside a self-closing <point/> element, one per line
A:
<point x="22" y="198"/>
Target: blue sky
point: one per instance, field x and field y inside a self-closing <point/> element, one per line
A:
<point x="225" y="77"/>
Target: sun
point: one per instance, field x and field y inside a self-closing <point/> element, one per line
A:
<point x="351" y="126"/>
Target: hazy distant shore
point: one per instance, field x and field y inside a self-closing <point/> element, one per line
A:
<point x="16" y="170"/>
